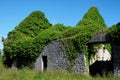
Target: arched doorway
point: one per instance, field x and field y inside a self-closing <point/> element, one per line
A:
<point x="100" y="62"/>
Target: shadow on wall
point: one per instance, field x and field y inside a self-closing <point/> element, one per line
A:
<point x="101" y="68"/>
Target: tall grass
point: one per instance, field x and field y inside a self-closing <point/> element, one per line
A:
<point x="27" y="74"/>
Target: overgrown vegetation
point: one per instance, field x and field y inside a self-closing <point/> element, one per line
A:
<point x="114" y="33"/>
<point x="28" y="74"/>
<point x="81" y="34"/>
<point x="95" y="47"/>
<point x="29" y="38"/>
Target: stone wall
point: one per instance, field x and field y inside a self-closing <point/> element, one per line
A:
<point x="80" y="64"/>
<point x="58" y="60"/>
<point x="99" y="38"/>
<point x="116" y="59"/>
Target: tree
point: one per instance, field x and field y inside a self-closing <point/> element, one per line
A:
<point x="20" y="41"/>
<point x="33" y="24"/>
<point x="92" y="15"/>
<point x="0" y="52"/>
<point x="91" y="23"/>
<point x="29" y="38"/>
<point x="114" y="33"/>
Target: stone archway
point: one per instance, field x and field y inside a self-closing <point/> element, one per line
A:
<point x="99" y="66"/>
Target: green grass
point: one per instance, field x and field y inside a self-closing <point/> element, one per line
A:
<point x="28" y="74"/>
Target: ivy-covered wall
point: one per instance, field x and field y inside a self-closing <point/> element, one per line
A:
<point x="30" y="37"/>
<point x="58" y="59"/>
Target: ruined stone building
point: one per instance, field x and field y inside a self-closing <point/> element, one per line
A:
<point x="53" y="58"/>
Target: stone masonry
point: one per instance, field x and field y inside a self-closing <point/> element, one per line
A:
<point x="103" y="38"/>
<point x="80" y="64"/>
<point x="57" y="59"/>
<point x="116" y="60"/>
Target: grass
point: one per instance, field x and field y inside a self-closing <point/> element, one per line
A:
<point x="28" y="74"/>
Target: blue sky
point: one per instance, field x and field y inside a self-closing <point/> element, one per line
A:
<point x="67" y="12"/>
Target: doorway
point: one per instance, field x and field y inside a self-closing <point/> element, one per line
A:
<point x="100" y="59"/>
<point x="44" y="58"/>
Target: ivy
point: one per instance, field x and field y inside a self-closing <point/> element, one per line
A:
<point x="29" y="38"/>
<point x="114" y="33"/>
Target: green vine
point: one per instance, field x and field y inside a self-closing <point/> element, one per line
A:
<point x="114" y="33"/>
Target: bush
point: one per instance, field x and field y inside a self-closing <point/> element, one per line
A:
<point x="114" y="33"/>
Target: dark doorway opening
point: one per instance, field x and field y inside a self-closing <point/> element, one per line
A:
<point x="101" y="68"/>
<point x="44" y="62"/>
<point x="101" y="63"/>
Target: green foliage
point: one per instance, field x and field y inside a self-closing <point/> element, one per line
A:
<point x="95" y="47"/>
<point x="70" y="46"/>
<point x="19" y="45"/>
<point x="71" y="31"/>
<point x="27" y="74"/>
<point x="50" y="34"/>
<point x="80" y="40"/>
<point x="79" y="36"/>
<point x="21" y="41"/>
<point x="15" y="35"/>
<point x="114" y="33"/>
<point x="0" y="52"/>
<point x="91" y="24"/>
<point x="94" y="16"/>
<point x="22" y="47"/>
<point x="109" y="48"/>
<point x="33" y="24"/>
<point x="33" y="33"/>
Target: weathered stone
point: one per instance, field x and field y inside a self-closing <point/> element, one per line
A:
<point x="57" y="59"/>
<point x="99" y="38"/>
<point x="80" y="64"/>
<point x="116" y="59"/>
